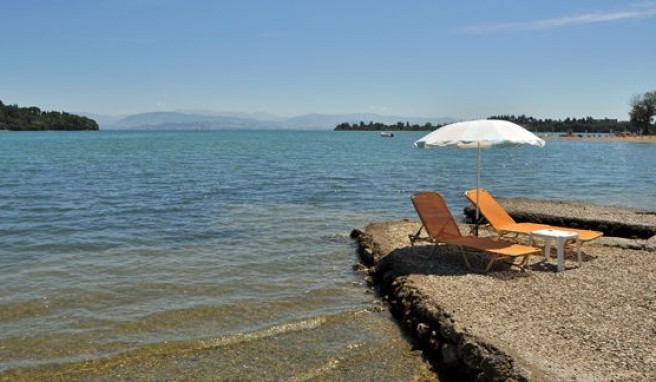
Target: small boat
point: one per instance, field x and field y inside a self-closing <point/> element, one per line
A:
<point x="386" y="134"/>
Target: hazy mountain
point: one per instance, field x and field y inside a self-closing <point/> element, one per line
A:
<point x="154" y="119"/>
<point x="102" y="119"/>
<point x="227" y="120"/>
<point x="261" y="116"/>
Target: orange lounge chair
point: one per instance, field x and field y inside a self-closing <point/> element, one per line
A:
<point x="442" y="228"/>
<point x="504" y="224"/>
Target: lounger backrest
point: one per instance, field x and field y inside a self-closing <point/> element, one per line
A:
<point x="490" y="208"/>
<point x="435" y="215"/>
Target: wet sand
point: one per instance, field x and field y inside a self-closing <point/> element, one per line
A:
<point x="589" y="323"/>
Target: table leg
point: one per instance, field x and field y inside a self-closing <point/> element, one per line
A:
<point x="560" y="248"/>
<point x="547" y="248"/>
<point x="578" y="250"/>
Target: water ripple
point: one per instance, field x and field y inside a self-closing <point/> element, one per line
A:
<point x="115" y="239"/>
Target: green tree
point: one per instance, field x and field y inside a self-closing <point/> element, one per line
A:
<point x="13" y="117"/>
<point x="643" y="111"/>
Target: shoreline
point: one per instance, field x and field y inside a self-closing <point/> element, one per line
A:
<point x="589" y="323"/>
<point x="609" y="139"/>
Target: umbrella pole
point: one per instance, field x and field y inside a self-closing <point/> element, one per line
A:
<point x="478" y="187"/>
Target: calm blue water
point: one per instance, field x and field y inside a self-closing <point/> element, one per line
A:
<point x="112" y="241"/>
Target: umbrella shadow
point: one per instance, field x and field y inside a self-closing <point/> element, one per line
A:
<point x="443" y="261"/>
<point x="550" y="265"/>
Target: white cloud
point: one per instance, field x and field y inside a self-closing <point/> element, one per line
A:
<point x="635" y="11"/>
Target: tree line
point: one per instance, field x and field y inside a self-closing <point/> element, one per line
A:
<point x="568" y="125"/>
<point x="377" y="126"/>
<point x="642" y="121"/>
<point x="15" y="118"/>
<point x="572" y="125"/>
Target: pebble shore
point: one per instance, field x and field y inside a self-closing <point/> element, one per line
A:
<point x="590" y="323"/>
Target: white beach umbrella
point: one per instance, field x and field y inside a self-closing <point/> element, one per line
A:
<point x="479" y="134"/>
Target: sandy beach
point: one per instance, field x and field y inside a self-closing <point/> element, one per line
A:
<point x="589" y="323"/>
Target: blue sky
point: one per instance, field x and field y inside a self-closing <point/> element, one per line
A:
<point x="467" y="59"/>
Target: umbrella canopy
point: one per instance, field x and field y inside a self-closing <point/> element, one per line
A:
<point x="479" y="134"/>
<point x="482" y="132"/>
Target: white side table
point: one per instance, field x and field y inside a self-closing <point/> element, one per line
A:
<point x="560" y="237"/>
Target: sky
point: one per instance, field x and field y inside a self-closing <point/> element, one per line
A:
<point x="415" y="58"/>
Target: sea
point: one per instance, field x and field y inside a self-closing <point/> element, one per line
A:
<point x="225" y="255"/>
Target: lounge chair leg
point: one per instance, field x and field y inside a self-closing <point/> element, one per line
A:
<point x="415" y="236"/>
<point x="511" y="261"/>
<point x="464" y="257"/>
<point x="489" y="264"/>
<point x="522" y="264"/>
<point x="412" y="244"/>
<point x="525" y="260"/>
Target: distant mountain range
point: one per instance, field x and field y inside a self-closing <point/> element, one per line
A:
<point x="206" y="120"/>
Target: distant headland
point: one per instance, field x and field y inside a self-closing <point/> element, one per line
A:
<point x="568" y="125"/>
<point x="15" y="118"/>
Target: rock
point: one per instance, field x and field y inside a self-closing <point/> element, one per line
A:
<point x="449" y="356"/>
<point x="423" y="331"/>
<point x="470" y="354"/>
<point x="434" y="342"/>
<point x="650" y="244"/>
<point x="356" y="234"/>
<point x="446" y="331"/>
<point x="623" y="243"/>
